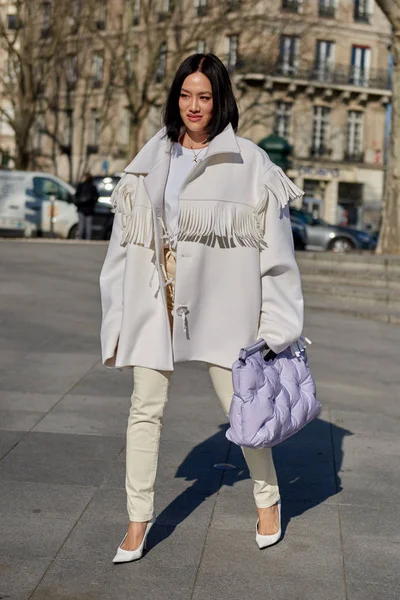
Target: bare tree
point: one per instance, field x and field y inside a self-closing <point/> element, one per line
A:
<point x="155" y="36"/>
<point x="29" y="50"/>
<point x="81" y="90"/>
<point x="389" y="238"/>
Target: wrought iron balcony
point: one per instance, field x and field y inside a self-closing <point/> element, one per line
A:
<point x="321" y="151"/>
<point x="233" y="5"/>
<point x="335" y="75"/>
<point x="291" y="5"/>
<point x="354" y="157"/>
<point x="202" y="10"/>
<point x="327" y="12"/>
<point x="362" y="17"/>
<point x="163" y="15"/>
<point x="92" y="149"/>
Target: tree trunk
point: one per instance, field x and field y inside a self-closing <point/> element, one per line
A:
<point x="134" y="145"/>
<point x="389" y="238"/>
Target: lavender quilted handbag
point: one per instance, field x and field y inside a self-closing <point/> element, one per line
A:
<point x="273" y="399"/>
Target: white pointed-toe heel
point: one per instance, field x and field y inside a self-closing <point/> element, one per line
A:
<point x="123" y="556"/>
<point x="263" y="541"/>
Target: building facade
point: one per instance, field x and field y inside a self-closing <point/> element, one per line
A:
<point x="330" y="93"/>
<point x="315" y="72"/>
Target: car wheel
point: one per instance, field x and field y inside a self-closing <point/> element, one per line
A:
<point x="341" y="244"/>
<point x="73" y="232"/>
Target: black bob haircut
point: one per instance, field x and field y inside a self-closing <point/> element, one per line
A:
<point x="225" y="109"/>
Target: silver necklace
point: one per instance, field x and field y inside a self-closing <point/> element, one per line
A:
<point x="192" y="149"/>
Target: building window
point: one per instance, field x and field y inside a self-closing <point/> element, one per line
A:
<point x="201" y="7"/>
<point x="324" y="60"/>
<point x="94" y="132"/>
<point x="288" y="54"/>
<point x="233" y="5"/>
<point x="40" y="130"/>
<point x="320" y="130"/>
<point x="101" y="14"/>
<point x="97" y="69"/>
<point x="362" y="11"/>
<point x="12" y="22"/>
<point x="327" y="8"/>
<point x="71" y="71"/>
<point x="46" y="18"/>
<point x="201" y="47"/>
<point x="360" y="65"/>
<point x="125" y="127"/>
<point x="162" y="63"/>
<point x="282" y="119"/>
<point x="165" y="9"/>
<point x="291" y="5"/>
<point x="5" y="158"/>
<point x="136" y="12"/>
<point x="74" y="16"/>
<point x="354" y="143"/>
<point x="232" y="42"/>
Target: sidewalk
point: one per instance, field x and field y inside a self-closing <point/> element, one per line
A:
<point x="62" y="426"/>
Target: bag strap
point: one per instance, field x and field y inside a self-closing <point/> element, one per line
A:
<point x="252" y="349"/>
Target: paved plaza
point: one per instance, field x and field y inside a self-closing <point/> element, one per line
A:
<point x="62" y="427"/>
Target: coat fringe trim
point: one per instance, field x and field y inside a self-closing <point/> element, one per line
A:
<point x="137" y="220"/>
<point x="281" y="186"/>
<point x="224" y="223"/>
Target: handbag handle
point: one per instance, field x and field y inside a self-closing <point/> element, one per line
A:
<point x="249" y="350"/>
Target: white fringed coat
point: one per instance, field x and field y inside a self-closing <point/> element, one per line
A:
<point x="237" y="279"/>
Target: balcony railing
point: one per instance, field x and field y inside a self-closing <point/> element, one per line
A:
<point x="336" y="75"/>
<point x="92" y="149"/>
<point x="362" y="17"/>
<point x="202" y="10"/>
<point x="327" y="12"/>
<point x="355" y="157"/>
<point x="233" y="5"/>
<point x="163" y="15"/>
<point x="321" y="151"/>
<point x="291" y="5"/>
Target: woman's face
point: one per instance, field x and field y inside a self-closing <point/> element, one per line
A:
<point x="196" y="102"/>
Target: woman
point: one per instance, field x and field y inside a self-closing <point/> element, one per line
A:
<point x="200" y="264"/>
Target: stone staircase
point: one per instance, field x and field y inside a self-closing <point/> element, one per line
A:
<point x="359" y="284"/>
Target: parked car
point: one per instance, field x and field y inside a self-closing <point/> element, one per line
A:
<point x="299" y="232"/>
<point x="103" y="217"/>
<point x="324" y="236"/>
<point x="28" y="200"/>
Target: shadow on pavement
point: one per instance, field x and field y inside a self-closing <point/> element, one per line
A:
<point x="307" y="465"/>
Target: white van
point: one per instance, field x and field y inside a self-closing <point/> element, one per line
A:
<point x="28" y="199"/>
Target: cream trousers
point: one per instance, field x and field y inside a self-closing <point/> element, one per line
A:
<point x="150" y="395"/>
<point x="143" y="438"/>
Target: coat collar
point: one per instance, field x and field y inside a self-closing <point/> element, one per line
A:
<point x="158" y="149"/>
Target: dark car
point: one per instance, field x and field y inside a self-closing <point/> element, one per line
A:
<point x="103" y="217"/>
<point x="299" y="232"/>
<point x="324" y="236"/>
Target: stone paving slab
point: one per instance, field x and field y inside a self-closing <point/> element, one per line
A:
<point x="64" y="459"/>
<point x="19" y="577"/>
<point x="62" y="435"/>
<point x="87" y="415"/>
<point x="80" y="580"/>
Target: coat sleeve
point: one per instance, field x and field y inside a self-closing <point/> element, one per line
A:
<point x="281" y="318"/>
<point x="112" y="273"/>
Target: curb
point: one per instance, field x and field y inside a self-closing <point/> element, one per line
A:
<point x="354" y="312"/>
<point x="53" y="241"/>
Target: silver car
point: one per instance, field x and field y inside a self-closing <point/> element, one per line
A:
<point x="324" y="236"/>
